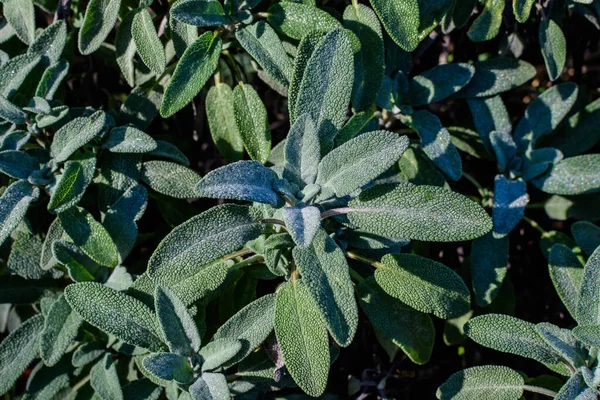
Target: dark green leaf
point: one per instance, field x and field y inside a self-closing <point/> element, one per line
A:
<point x="100" y="18"/>
<point x="252" y="123"/>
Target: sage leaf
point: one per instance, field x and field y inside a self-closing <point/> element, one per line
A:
<point x="11" y="113"/>
<point x="305" y="49"/>
<point x="51" y="79"/>
<point x="489" y="263"/>
<point x="479" y="382"/>
<point x="105" y="380"/>
<point x="401" y="21"/>
<point x="359" y="161"/>
<point x="183" y="34"/>
<point x="302" y="152"/>
<point x="99" y="20"/>
<point x="425" y="285"/>
<point x="588" y="334"/>
<point x="554" y="47"/>
<point x="60" y="329"/>
<point x="242" y="180"/>
<point x="199" y="12"/>
<point x="510" y="200"/>
<point x="490" y="115"/>
<point x="586" y="235"/>
<point x="522" y="9"/>
<point x="141" y="106"/>
<point x="578" y="134"/>
<point x="46" y="383"/>
<point x="17" y="164"/>
<point x="171" y="179"/>
<point x="408" y="329"/>
<point x="128" y="139"/>
<point x="115" y="313"/>
<point x="170" y="367"/>
<point x="218" y="352"/>
<point x="439" y="83"/>
<point x="55" y="233"/>
<point x="487" y="24"/>
<point x="572" y="176"/>
<point x="193" y="70"/>
<point x="418" y="212"/>
<point x="210" y="387"/>
<point x="125" y="48"/>
<point x="14" y="203"/>
<point x="14" y="72"/>
<point x="252" y="123"/>
<point x="302" y="338"/>
<point x="202" y="240"/>
<point x="170" y="152"/>
<point x="73" y="182"/>
<point x="81" y="268"/>
<point x="566" y="272"/>
<point x="563" y="342"/>
<point x="588" y="309"/>
<point x="180" y="331"/>
<point x="147" y="42"/>
<point x="89" y="235"/>
<point x="497" y="75"/>
<point x="303" y="223"/>
<point x="223" y="129"/>
<point x="296" y="20"/>
<point x="76" y="134"/>
<point x="20" y="14"/>
<point x="325" y="274"/>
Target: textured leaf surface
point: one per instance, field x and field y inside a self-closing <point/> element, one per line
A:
<point x="128" y="139"/>
<point x="210" y="387"/>
<point x="302" y="152"/>
<point x="147" y="42"/>
<point x="60" y="329"/>
<point x="170" y="367"/>
<point x="489" y="114"/>
<point x="497" y="75"/>
<point x="242" y="180"/>
<point x="401" y="21"/>
<point x="510" y="200"/>
<point x="199" y="12"/>
<point x="418" y="212"/>
<point x="572" y="176"/>
<point x="89" y="235"/>
<point x="116" y="313"/>
<point x="100" y="18"/>
<point x="586" y="235"/>
<point x="489" y="262"/>
<point x="579" y="133"/>
<point x="11" y="113"/>
<point x="51" y="79"/>
<point x="14" y="203"/>
<point x="588" y="334"/>
<point x="481" y="382"/>
<point x="218" y="352"/>
<point x="202" y="240"/>
<point x="588" y="307"/>
<point x="20" y="14"/>
<point x="554" y="47"/>
<point x="326" y="87"/>
<point x="408" y="329"/>
<point x="252" y="122"/>
<point x="296" y="20"/>
<point x="522" y="9"/>
<point x="75" y="134"/>
<point x="17" y="164"/>
<point x="73" y="182"/>
<point x="14" y="72"/>
<point x="105" y="380"/>
<point x="566" y="272"/>
<point x="223" y="129"/>
<point x="359" y="161"/>
<point x="487" y="24"/>
<point x="305" y="49"/>
<point x="438" y="83"/>
<point x="18" y="350"/>
<point x="302" y="222"/>
<point x="325" y="275"/>
<point x="171" y="179"/>
<point x="425" y="285"/>
<point x="179" y="328"/>
<point x="302" y="338"/>
<point x="193" y="70"/>
<point x="125" y="48"/>
<point x="563" y="343"/>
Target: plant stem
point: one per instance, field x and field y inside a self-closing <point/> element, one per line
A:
<point x="272" y="221"/>
<point x="356" y="275"/>
<point x="234" y="67"/>
<point x="352" y="255"/>
<point x="336" y="211"/>
<point x="237" y="254"/>
<point x="80" y="384"/>
<point x="537" y="389"/>
<point x="534" y="224"/>
<point x="249" y="261"/>
<point x="471" y="179"/>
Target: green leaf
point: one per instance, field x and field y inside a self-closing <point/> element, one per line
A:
<point x="305" y="49"/>
<point x="439" y="83"/>
<point x="563" y="343"/>
<point x="87" y="353"/>
<point x="179" y="328"/>
<point x="566" y="272"/>
<point x="105" y="380"/>
<point x="51" y="79"/>
<point x="588" y="334"/>
<point x="219" y="352"/>
<point x="510" y="200"/>
<point x="302" y="338"/>
<point x="60" y="329"/>
<point x="50" y="43"/>
<point x="303" y="223"/>
<point x="76" y="134"/>
<point x="193" y="70"/>
<point x="55" y="233"/>
<point x="510" y="335"/>
<point x="302" y="152"/>
<point x="147" y="42"/>
<point x="579" y="133"/>
<point x="100" y="18"/>
<point x="14" y="203"/>
<point x="326" y="87"/>
<point x="489" y="263"/>
<point x="497" y="75"/>
<point x="128" y="139"/>
<point x="73" y="182"/>
<point x="20" y="14"/>
<point x="115" y="313"/>
<point x="171" y="179"/>
<point x="296" y="20"/>
<point x="423" y="284"/>
<point x="14" y="72"/>
<point x="502" y="383"/>
<point x="46" y="383"/>
<point x="545" y="113"/>
<point x="325" y="275"/>
<point x="522" y="9"/>
<point x="565" y="177"/>
<point x="418" y="212"/>
<point x="125" y="48"/>
<point x="89" y="235"/>
<point x="14" y="140"/>
<point x="487" y="24"/>
<point x="118" y="173"/>
<point x="588" y="307"/>
<point x="400" y="19"/>
<point x="436" y="142"/>
<point x="408" y="329"/>
<point x="359" y="123"/>
<point x="359" y="161"/>
<point x="18" y="350"/>
<point x="210" y="386"/>
<point x="11" y="113"/>
<point x="170" y="367"/>
<point x="369" y="58"/>
<point x="141" y="106"/>
<point x="263" y="44"/>
<point x="24" y="255"/>
<point x="199" y="12"/>
<point x="17" y="164"/>
<point x="554" y="47"/>
<point x="490" y="115"/>
<point x="250" y="326"/>
<point x="81" y="267"/>
<point x="242" y="180"/>
<point x="223" y="129"/>
<point x="586" y="235"/>
<point x="251" y="120"/>
<point x="202" y="240"/>
<point x="169" y="151"/>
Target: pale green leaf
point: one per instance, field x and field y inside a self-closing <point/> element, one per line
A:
<point x="199" y="12"/>
<point x="100" y="18"/>
<point x="497" y="75"/>
<point x="17" y="164"/>
<point x="563" y="343"/>
<point x="51" y="79"/>
<point x="219" y="352"/>
<point x="487" y="24"/>
<point x="566" y="272"/>
<point x="147" y="42"/>
<point x="401" y="21"/>
<point x="171" y="179"/>
<point x="128" y="139"/>
<point x="11" y="113"/>
<point x="572" y="176"/>
<point x="302" y="152"/>
<point x="76" y="134"/>
<point x="20" y="14"/>
<point x="14" y="72"/>
<point x="522" y="9"/>
<point x="178" y="326"/>
<point x="296" y="20"/>
<point x="554" y="47"/>
<point x="305" y="49"/>
<point x="71" y="185"/>
<point x="14" y="203"/>
<point x="87" y="353"/>
<point x="60" y="329"/>
<point x="223" y="129"/>
<point x="50" y="43"/>
<point x="439" y="83"/>
<point x="302" y="222"/>
<point x="588" y="306"/>
<point x="475" y="383"/>
<point x="588" y="334"/>
<point x="170" y="367"/>
<point x="105" y="380"/>
<point x="125" y="48"/>
<point x="251" y="120"/>
<point x="210" y="386"/>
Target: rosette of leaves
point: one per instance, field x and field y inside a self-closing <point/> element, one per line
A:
<point x="531" y="153"/>
<point x="569" y="352"/>
<point x="319" y="206"/>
